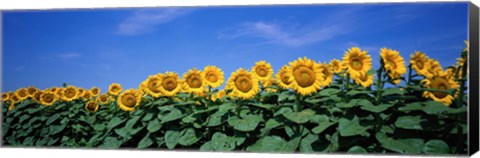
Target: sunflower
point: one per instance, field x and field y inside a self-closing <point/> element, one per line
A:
<point x="306" y="76"/>
<point x="48" y="98"/>
<point x="220" y="94"/>
<point x="60" y="93"/>
<point x="36" y="96"/>
<point x="22" y="93"/>
<point x="357" y="61"/>
<point x="454" y="72"/>
<point x="393" y="63"/>
<point x="152" y="85"/>
<point x="31" y="91"/>
<point x="70" y="93"/>
<point x="440" y="81"/>
<point x="467" y="46"/>
<point x="420" y="63"/>
<point x="102" y="99"/>
<point x="213" y="76"/>
<point x="327" y="74"/>
<point x="194" y="81"/>
<point x="129" y="99"/>
<point x="14" y="98"/>
<point x="91" y="106"/>
<point x="114" y="89"/>
<point x="337" y="66"/>
<point x="282" y="77"/>
<point x="87" y="95"/>
<point x="262" y="70"/>
<point x="243" y="84"/>
<point x="434" y="68"/>
<point x="5" y="96"/>
<point x="95" y="91"/>
<point x="267" y="83"/>
<point x="81" y="91"/>
<point x="170" y="84"/>
<point x="364" y="79"/>
<point x="53" y="89"/>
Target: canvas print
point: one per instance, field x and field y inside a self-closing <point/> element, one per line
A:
<point x="379" y="78"/>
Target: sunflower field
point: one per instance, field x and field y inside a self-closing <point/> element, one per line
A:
<point x="413" y="106"/>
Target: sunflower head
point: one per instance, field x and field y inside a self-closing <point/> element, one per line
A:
<point x="262" y="70"/>
<point x="220" y="94"/>
<point x="114" y="89"/>
<point x="364" y="79"/>
<point x="327" y="74"/>
<point x="467" y="46"/>
<point x="213" y="76"/>
<point x="5" y="96"/>
<point x="48" y="98"/>
<point x="102" y="99"/>
<point x="194" y="81"/>
<point x="306" y="76"/>
<point x="36" y="96"/>
<point x="81" y="91"/>
<point x="95" y="91"/>
<point x="337" y="66"/>
<point x="70" y="93"/>
<point x="434" y="68"/>
<point x="129" y="99"/>
<point x="243" y="84"/>
<point x="60" y="92"/>
<point x="357" y="61"/>
<point x="31" y="91"/>
<point x="393" y="64"/>
<point x="87" y="95"/>
<point x="440" y="81"/>
<point x="22" y="93"/>
<point x="420" y="63"/>
<point x="91" y="106"/>
<point x="170" y="84"/>
<point x="14" y="98"/>
<point x="282" y="77"/>
<point x="152" y="85"/>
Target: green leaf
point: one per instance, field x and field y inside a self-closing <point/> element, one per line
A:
<point x="407" y="146"/>
<point x="55" y="129"/>
<point x="171" y="138"/>
<point x="392" y="91"/>
<point x="328" y="92"/>
<point x="409" y="122"/>
<point x="154" y="125"/>
<point x="306" y="144"/>
<point x="115" y="122"/>
<point x="300" y="117"/>
<point x="188" y="137"/>
<point x="264" y="106"/>
<point x="433" y="107"/>
<point x="357" y="150"/>
<point x="148" y="116"/>
<point x="323" y="123"/>
<point x="221" y="142"/>
<point x="145" y="142"/>
<point x="368" y="106"/>
<point x="132" y="121"/>
<point x="283" y="96"/>
<point x="111" y="143"/>
<point x="160" y="102"/>
<point x="216" y="118"/>
<point x="351" y="128"/>
<point x="436" y="147"/>
<point x="411" y="107"/>
<point x="245" y="124"/>
<point x="52" y="119"/>
<point x="274" y="144"/>
<point x="172" y="115"/>
<point x="356" y="92"/>
<point x="23" y="118"/>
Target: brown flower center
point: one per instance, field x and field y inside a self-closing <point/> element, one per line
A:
<point x="440" y="84"/>
<point x="194" y="81"/>
<point x="304" y="76"/>
<point x="69" y="93"/>
<point x="129" y="100"/>
<point x="153" y="85"/>
<point x="356" y="64"/>
<point x="261" y="71"/>
<point x="212" y="77"/>
<point x="243" y="83"/>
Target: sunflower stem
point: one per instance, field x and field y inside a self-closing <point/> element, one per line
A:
<point x="347" y="82"/>
<point x="409" y="74"/>
<point x="379" y="83"/>
<point x="298" y="101"/>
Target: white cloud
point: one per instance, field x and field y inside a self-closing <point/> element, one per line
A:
<point x="146" y="19"/>
<point x="69" y="55"/>
<point x="283" y="34"/>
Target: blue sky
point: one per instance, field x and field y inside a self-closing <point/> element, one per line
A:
<point x="96" y="47"/>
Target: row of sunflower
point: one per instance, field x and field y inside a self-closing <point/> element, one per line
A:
<point x="304" y="76"/>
